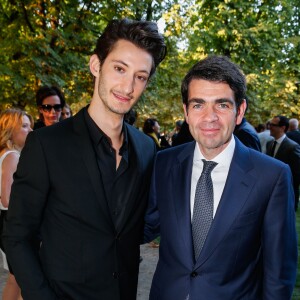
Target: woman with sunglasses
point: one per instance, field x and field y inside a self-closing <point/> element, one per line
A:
<point x="50" y="101"/>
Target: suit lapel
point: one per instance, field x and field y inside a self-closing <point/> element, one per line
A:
<point x="268" y="147"/>
<point x="181" y="181"/>
<point x="85" y="146"/>
<point x="282" y="150"/>
<point x="236" y="191"/>
<point x="136" y="144"/>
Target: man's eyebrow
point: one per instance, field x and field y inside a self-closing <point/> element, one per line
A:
<point x="196" y="100"/>
<point x="224" y="100"/>
<point x="221" y="100"/>
<point x="126" y="65"/>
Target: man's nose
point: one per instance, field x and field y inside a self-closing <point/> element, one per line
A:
<point x="210" y="113"/>
<point x="128" y="84"/>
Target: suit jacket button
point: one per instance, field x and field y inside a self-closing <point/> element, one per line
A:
<point x="194" y="274"/>
<point x="115" y="275"/>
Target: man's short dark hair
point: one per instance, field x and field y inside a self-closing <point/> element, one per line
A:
<point x="283" y="121"/>
<point x="260" y="128"/>
<point x="143" y="34"/>
<point x="217" y="69"/>
<point x="46" y="91"/>
<point x="148" y="125"/>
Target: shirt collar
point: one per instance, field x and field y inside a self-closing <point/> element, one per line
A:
<point x="279" y="141"/>
<point x="97" y="135"/>
<point x="223" y="159"/>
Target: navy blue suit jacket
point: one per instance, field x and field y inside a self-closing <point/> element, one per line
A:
<point x="251" y="249"/>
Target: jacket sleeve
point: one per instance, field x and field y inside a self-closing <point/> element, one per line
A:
<point x="152" y="224"/>
<point x="279" y="241"/>
<point x="295" y="163"/>
<point x="21" y="228"/>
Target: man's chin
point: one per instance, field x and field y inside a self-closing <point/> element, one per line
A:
<point x="121" y="110"/>
<point x="214" y="145"/>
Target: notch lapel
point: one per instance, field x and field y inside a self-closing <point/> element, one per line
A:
<point x="181" y="181"/>
<point x="84" y="145"/>
<point x="238" y="186"/>
<point x="137" y="145"/>
<point x="281" y="152"/>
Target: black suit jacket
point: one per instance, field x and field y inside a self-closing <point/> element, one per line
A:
<point x="58" y="194"/>
<point x="289" y="153"/>
<point x="294" y="135"/>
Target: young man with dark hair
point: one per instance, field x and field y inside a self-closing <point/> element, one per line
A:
<point x="225" y="212"/>
<point x="82" y="184"/>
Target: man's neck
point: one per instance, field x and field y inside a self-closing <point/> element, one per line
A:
<point x="279" y="137"/>
<point x="110" y="123"/>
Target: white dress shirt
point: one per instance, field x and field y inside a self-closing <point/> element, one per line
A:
<point x="218" y="174"/>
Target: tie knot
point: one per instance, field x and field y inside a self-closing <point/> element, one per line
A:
<point x="208" y="166"/>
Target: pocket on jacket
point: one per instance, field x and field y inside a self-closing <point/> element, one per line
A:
<point x="245" y="220"/>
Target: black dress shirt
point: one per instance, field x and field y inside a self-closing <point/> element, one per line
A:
<point x="118" y="183"/>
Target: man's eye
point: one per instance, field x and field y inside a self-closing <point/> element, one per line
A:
<point x="142" y="78"/>
<point x="119" y="69"/>
<point x="197" y="106"/>
<point x="224" y="106"/>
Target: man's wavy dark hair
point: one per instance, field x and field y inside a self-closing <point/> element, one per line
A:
<point x="143" y="34"/>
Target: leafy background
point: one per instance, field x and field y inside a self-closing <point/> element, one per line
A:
<point x="50" y="41"/>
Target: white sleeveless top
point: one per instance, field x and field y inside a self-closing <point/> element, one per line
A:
<point x="1" y="160"/>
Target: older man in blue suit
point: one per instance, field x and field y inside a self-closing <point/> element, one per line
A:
<point x="246" y="248"/>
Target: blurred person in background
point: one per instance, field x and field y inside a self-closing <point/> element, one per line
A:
<point x="152" y="129"/>
<point x="286" y="150"/>
<point x="293" y="132"/>
<point x="131" y="117"/>
<point x="183" y="136"/>
<point x="66" y="112"/>
<point x="178" y="125"/>
<point x="264" y="136"/>
<point x="15" y="125"/>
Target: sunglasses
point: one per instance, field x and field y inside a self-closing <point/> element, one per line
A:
<point x="275" y="125"/>
<point x="49" y="107"/>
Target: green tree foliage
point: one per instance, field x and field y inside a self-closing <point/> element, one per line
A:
<point x="50" y="41"/>
<point x="263" y="38"/>
<point x="44" y="42"/>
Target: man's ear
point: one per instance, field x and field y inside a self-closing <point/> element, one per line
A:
<point x="241" y="112"/>
<point x="94" y="65"/>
